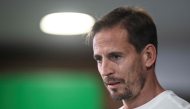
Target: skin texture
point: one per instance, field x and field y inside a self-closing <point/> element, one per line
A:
<point x="129" y="76"/>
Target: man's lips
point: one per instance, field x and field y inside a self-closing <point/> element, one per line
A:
<point x="112" y="84"/>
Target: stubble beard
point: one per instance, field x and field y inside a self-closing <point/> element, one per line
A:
<point x="115" y="94"/>
<point x="120" y="96"/>
<point x="127" y="92"/>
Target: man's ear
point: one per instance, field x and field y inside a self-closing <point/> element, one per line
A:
<point x="149" y="55"/>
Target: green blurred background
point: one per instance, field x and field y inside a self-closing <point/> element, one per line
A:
<point x="69" y="89"/>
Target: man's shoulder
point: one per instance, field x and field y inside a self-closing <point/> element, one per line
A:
<point x="165" y="100"/>
<point x="171" y="100"/>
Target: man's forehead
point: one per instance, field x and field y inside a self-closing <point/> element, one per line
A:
<point x="108" y="35"/>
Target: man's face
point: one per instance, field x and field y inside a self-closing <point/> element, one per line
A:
<point x="120" y="66"/>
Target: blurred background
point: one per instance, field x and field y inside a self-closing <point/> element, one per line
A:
<point x="41" y="70"/>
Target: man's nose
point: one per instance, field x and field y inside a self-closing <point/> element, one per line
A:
<point x="107" y="67"/>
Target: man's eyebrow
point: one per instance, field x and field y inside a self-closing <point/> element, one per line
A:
<point x="109" y="54"/>
<point x="96" y="56"/>
<point x="115" y="53"/>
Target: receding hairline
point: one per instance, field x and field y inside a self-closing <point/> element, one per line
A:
<point x="133" y="9"/>
<point x="91" y="34"/>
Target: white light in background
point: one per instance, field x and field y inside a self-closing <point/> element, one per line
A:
<point x="66" y="23"/>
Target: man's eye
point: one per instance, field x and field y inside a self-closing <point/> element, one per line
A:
<point x="116" y="56"/>
<point x="98" y="59"/>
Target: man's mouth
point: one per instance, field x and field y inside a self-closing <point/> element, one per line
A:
<point x="112" y="84"/>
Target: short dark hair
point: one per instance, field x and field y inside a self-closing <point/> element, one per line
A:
<point x="135" y="20"/>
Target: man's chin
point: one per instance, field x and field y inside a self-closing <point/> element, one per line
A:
<point x="115" y="95"/>
<point x="118" y="95"/>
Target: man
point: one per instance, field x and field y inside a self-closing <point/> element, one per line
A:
<point x="125" y="48"/>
